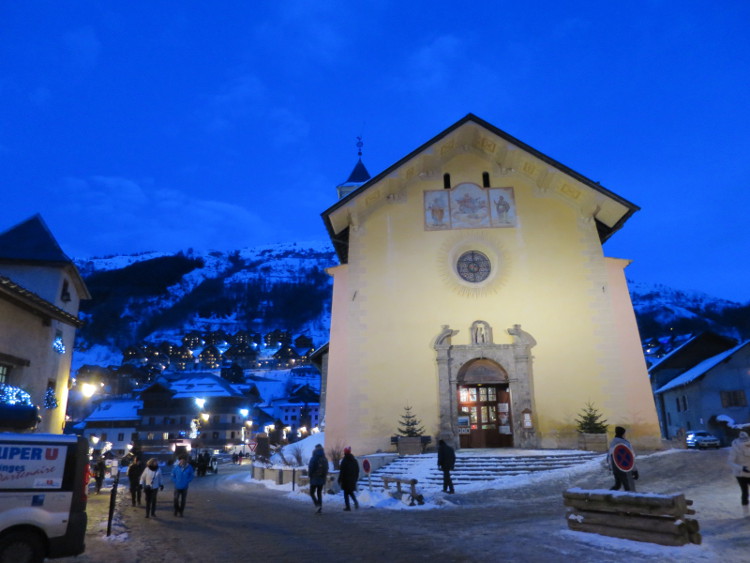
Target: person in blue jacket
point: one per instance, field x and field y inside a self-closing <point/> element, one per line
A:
<point x="182" y="474"/>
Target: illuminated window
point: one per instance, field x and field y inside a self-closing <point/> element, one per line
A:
<point x="4" y="373"/>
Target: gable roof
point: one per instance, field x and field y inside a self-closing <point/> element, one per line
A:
<point x="31" y="241"/>
<point x="116" y="409"/>
<point x="205" y="385"/>
<point x="340" y="235"/>
<point x="31" y="302"/>
<point x="700" y="347"/>
<point x="701" y="369"/>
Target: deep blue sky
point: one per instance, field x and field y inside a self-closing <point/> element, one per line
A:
<point x="134" y="126"/>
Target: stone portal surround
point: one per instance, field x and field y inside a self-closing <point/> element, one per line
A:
<point x="515" y="359"/>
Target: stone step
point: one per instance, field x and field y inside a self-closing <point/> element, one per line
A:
<point x="473" y="469"/>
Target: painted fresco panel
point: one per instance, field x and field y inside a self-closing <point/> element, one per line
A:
<point x="437" y="214"/>
<point x="467" y="206"/>
<point x="502" y="207"/>
<point x="470" y="207"/>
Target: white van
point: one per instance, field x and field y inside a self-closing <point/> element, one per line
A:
<point x="43" y="479"/>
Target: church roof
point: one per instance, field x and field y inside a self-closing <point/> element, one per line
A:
<point x="359" y="174"/>
<point x="31" y="241"/>
<point x="472" y="132"/>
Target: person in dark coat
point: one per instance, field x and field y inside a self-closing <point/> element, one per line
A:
<point x="348" y="477"/>
<point x="100" y="468"/>
<point x="446" y="460"/>
<point x="317" y="470"/>
<point x="624" y="479"/>
<point x="134" y="478"/>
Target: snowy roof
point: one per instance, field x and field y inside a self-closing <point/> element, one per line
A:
<point x="203" y="385"/>
<point x="290" y="402"/>
<point x="116" y="409"/>
<point x="701" y="369"/>
<point x="670" y="354"/>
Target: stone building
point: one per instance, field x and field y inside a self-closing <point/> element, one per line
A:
<point x="40" y="292"/>
<point x="473" y="287"/>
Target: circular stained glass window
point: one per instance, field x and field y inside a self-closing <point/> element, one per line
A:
<point x="473" y="266"/>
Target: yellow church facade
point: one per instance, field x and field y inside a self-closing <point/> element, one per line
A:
<point x="473" y="288"/>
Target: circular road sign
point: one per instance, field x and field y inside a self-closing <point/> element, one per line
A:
<point x="623" y="457"/>
<point x="366" y="466"/>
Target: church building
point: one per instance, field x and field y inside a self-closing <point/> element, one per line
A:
<point x="473" y="288"/>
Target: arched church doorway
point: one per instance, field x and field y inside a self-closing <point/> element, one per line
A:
<point x="484" y="406"/>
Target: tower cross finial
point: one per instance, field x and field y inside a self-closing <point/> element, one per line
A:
<point x="359" y="146"/>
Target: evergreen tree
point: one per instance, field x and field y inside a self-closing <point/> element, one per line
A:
<point x="590" y="421"/>
<point x="410" y="425"/>
<point x="50" y="399"/>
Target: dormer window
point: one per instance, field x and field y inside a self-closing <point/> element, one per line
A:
<point x="65" y="295"/>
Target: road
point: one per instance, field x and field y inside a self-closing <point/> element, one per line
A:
<point x="228" y="518"/>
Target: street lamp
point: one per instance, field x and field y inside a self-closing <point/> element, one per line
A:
<point x="88" y="390"/>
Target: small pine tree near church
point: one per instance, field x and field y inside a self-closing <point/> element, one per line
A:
<point x="410" y="425"/>
<point x="590" y="421"/>
<point x="592" y="429"/>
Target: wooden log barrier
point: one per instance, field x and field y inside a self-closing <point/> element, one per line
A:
<point x="635" y="516"/>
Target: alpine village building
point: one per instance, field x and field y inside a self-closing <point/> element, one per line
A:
<point x="40" y="292"/>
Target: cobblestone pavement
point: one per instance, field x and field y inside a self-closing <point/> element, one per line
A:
<point x="227" y="518"/>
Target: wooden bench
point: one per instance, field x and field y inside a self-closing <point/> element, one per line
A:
<point x="415" y="497"/>
<point x="635" y="516"/>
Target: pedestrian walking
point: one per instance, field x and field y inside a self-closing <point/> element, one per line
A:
<point x="739" y="460"/>
<point x="202" y="464"/>
<point x="134" y="478"/>
<point x="151" y="481"/>
<point x="348" y="477"/>
<point x="446" y="461"/>
<point x="182" y="474"/>
<point x="100" y="468"/>
<point x="317" y="470"/>
<point x="623" y="468"/>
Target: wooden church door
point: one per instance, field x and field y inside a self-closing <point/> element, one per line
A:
<point x="484" y="416"/>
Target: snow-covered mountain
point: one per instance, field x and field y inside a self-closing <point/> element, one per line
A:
<point x="662" y="310"/>
<point x="151" y="297"/>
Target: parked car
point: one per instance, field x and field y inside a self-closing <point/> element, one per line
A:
<point x="701" y="439"/>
